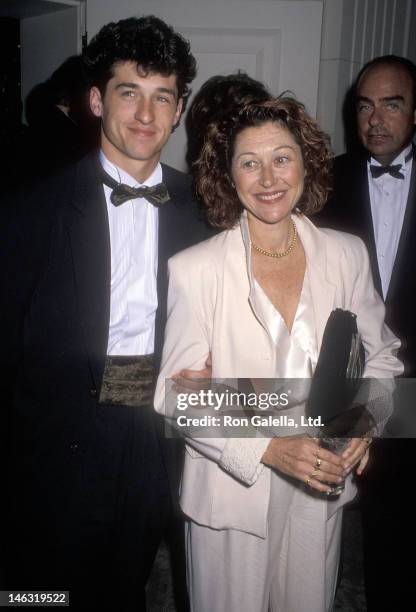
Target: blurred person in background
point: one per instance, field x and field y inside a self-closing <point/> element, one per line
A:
<point x="62" y="128"/>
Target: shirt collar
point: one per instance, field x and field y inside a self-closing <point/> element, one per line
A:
<point x="400" y="159"/>
<point x="121" y="176"/>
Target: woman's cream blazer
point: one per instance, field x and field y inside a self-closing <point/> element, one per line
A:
<point x="211" y="307"/>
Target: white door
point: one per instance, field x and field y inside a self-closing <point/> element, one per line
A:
<point x="275" y="42"/>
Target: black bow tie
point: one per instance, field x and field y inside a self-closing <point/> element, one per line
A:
<point x="394" y="171"/>
<point x="121" y="193"/>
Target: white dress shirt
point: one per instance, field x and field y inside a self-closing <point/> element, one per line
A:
<point x="388" y="198"/>
<point x="134" y="241"/>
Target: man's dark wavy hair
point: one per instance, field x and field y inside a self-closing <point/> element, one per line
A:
<point x="149" y="42"/>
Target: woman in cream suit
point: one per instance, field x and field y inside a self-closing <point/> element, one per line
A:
<point x="262" y="534"/>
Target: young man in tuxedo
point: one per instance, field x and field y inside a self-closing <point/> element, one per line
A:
<point x="84" y="307"/>
<point x="375" y="197"/>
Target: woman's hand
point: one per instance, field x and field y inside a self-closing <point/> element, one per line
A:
<point x="304" y="459"/>
<point x="356" y="454"/>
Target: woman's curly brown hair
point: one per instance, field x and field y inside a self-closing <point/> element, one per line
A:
<point x="213" y="180"/>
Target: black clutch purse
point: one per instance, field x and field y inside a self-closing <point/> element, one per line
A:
<point x="337" y="376"/>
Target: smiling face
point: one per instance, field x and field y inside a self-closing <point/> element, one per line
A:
<point x="385" y="111"/>
<point x="268" y="172"/>
<point x="137" y="113"/>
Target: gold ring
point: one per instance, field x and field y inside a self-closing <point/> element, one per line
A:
<point x="314" y="473"/>
<point x="308" y="482"/>
<point x="318" y="463"/>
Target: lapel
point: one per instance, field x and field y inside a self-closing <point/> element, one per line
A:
<point x="90" y="245"/>
<point x="168" y="232"/>
<point x="407" y="234"/>
<point x="318" y="262"/>
<point x="364" y="220"/>
<point x="169" y="242"/>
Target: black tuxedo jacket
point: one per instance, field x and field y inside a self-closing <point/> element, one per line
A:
<point x="55" y="316"/>
<point x="349" y="210"/>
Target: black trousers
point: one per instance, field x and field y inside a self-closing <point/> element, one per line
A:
<point x="388" y="515"/>
<point x="100" y="545"/>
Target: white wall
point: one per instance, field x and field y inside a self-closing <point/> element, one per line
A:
<point x="46" y="41"/>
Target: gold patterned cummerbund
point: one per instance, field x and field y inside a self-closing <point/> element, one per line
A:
<point x="128" y="380"/>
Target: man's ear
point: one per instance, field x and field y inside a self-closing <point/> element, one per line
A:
<point x="96" y="103"/>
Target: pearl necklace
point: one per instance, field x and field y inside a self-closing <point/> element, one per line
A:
<point x="279" y="254"/>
